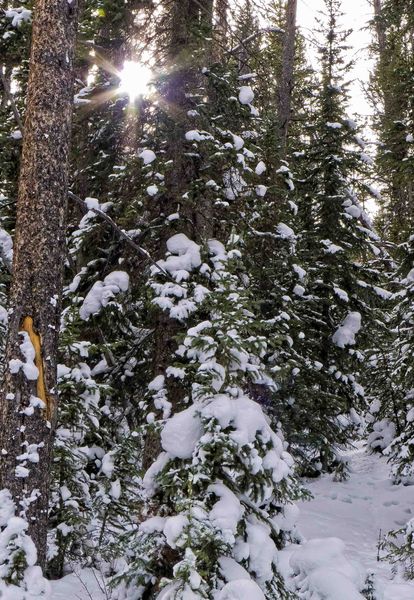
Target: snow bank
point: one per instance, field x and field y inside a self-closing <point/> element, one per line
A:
<point x="241" y="589"/>
<point x="33" y="587"/>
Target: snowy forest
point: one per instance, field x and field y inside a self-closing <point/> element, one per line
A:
<point x="206" y="300"/>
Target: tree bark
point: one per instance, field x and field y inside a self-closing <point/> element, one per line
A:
<point x="379" y="26"/>
<point x="28" y="398"/>
<point x="221" y="30"/>
<point x="287" y="77"/>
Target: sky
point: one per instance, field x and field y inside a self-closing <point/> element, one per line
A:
<point x="357" y="15"/>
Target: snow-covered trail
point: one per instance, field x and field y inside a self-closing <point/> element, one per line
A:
<point x="358" y="511"/>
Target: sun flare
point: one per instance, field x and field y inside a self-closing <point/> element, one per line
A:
<point x="135" y="79"/>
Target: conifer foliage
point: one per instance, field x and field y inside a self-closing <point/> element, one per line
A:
<point x="214" y="316"/>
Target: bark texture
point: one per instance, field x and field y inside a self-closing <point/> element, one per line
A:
<point x="221" y="30"/>
<point x="287" y="79"/>
<point x="27" y="425"/>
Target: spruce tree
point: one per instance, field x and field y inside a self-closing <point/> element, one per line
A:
<point x="335" y="293"/>
<point x="393" y="115"/>
<point x="222" y="480"/>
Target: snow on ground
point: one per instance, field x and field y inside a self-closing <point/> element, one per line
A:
<point x="356" y="511"/>
<point x="86" y="584"/>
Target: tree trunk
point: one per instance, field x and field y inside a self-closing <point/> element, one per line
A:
<point x="286" y="82"/>
<point x="379" y="26"/>
<point x="221" y="29"/>
<point x="382" y="49"/>
<point x="28" y="396"/>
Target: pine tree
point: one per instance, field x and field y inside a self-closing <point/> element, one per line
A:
<point x="205" y="130"/>
<point x="394" y="120"/>
<point x="286" y="85"/>
<point x="334" y="297"/>
<point x="100" y="375"/>
<point x="398" y="414"/>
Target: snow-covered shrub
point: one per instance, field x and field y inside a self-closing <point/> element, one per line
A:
<point x="322" y="571"/>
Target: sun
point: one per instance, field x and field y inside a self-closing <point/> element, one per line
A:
<point x="135" y="79"/>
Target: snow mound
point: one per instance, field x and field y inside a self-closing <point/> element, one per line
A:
<point x="285" y="232"/>
<point x="18" y="15"/>
<point x="184" y="257"/>
<point x="241" y="589"/>
<point x="182" y="432"/>
<point x="148" y="156"/>
<point x="28" y="366"/>
<point x="260" y="168"/>
<point x="6" y="247"/>
<point x="321" y="568"/>
<point x="383" y="433"/>
<point x="227" y="512"/>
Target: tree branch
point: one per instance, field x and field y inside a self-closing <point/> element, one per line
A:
<point x="121" y="234"/>
<point x="250" y="38"/>
<point x="10" y="99"/>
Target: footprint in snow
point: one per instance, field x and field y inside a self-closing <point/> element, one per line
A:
<point x="390" y="503"/>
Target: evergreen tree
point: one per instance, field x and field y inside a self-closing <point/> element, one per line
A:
<point x="213" y="488"/>
<point x="393" y="121"/>
<point x="334" y="296"/>
<point x="398" y="413"/>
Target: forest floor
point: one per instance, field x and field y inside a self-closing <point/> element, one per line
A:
<point x="357" y="511"/>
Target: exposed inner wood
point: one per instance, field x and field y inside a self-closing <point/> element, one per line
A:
<point x="36" y="340"/>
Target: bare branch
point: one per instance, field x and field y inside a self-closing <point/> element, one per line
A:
<point x="9" y="96"/>
<point x="254" y="36"/>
